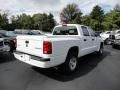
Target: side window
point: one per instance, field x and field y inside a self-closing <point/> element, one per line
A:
<point x="92" y="33"/>
<point x="118" y="32"/>
<point x="85" y="31"/>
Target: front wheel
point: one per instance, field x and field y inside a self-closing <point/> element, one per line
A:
<point x="100" y="52"/>
<point x="70" y="64"/>
<point x="107" y="42"/>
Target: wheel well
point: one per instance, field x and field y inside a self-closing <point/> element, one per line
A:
<point x="74" y="49"/>
<point x="102" y="44"/>
<point x="106" y="39"/>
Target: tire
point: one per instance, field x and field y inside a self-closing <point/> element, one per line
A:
<point x="113" y="46"/>
<point x="107" y="42"/>
<point x="70" y="64"/>
<point x="100" y="52"/>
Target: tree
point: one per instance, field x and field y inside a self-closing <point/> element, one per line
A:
<point x="50" y="22"/>
<point x="86" y="20"/>
<point x="112" y="19"/>
<point x="24" y="21"/>
<point x="43" y="22"/>
<point x="40" y="21"/>
<point x="117" y="8"/>
<point x="97" y="15"/>
<point x="3" y="19"/>
<point x="71" y="14"/>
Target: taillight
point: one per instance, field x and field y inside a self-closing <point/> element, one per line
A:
<point x="47" y="47"/>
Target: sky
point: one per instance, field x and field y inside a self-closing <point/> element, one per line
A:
<point x="30" y="7"/>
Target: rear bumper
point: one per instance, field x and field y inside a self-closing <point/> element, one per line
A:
<point x="34" y="60"/>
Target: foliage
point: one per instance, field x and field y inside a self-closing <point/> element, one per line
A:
<point x="97" y="16"/>
<point x="38" y="21"/>
<point x="97" y="19"/>
<point x="112" y="19"/>
<point x="23" y="22"/>
<point x="43" y="22"/>
<point x="71" y="14"/>
<point x="3" y="20"/>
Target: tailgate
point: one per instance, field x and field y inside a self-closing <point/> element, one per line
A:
<point x="30" y="44"/>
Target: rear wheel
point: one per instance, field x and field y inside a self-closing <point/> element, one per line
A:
<point x="70" y="64"/>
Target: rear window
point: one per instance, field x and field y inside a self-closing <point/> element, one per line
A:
<point x="85" y="31"/>
<point x="65" y="30"/>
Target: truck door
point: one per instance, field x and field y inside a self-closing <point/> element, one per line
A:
<point x="86" y="40"/>
<point x="93" y="39"/>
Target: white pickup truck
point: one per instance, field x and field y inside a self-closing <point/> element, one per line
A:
<point x="62" y="48"/>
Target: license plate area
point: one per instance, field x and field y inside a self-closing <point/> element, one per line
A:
<point x="23" y="56"/>
<point x="27" y="57"/>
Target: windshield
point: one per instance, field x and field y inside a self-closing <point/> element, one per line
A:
<point x="118" y="32"/>
<point x="107" y="32"/>
<point x="3" y="32"/>
<point x="23" y="32"/>
<point x="11" y="33"/>
<point x="65" y="30"/>
<point x="114" y="32"/>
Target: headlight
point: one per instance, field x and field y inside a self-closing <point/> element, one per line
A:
<point x="118" y="37"/>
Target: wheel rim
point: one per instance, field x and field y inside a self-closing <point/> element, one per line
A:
<point x="72" y="63"/>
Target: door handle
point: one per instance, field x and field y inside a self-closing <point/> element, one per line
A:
<point x="85" y="39"/>
<point x="93" y="39"/>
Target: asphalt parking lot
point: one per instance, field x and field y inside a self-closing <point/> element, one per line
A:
<point x="94" y="73"/>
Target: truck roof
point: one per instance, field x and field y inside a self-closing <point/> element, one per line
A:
<point x="69" y="25"/>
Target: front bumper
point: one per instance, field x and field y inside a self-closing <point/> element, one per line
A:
<point x="117" y="42"/>
<point x="33" y="60"/>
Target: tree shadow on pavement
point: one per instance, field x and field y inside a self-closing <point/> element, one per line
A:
<point x="86" y="65"/>
<point x="6" y="57"/>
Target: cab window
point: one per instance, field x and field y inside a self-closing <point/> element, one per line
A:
<point x="85" y="31"/>
<point x="92" y="33"/>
